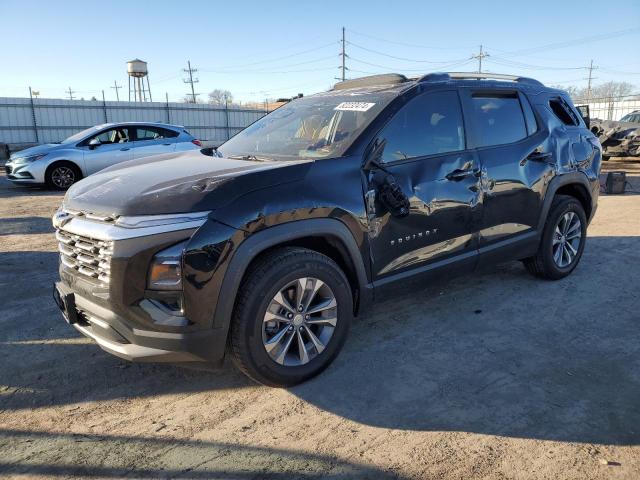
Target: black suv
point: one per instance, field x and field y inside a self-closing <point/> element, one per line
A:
<point x="268" y="248"/>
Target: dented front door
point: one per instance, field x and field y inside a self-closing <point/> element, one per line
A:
<point x="443" y="193"/>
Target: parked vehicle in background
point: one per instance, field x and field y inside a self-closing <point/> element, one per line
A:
<point x="619" y="138"/>
<point x="60" y="165"/>
<point x="318" y="208"/>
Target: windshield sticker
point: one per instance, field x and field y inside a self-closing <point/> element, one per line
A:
<point x="354" y="106"/>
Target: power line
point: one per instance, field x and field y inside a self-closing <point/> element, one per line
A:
<point x="270" y="60"/>
<point x="404" y="59"/>
<point x="513" y="63"/>
<point x="401" y="69"/>
<point x="116" y="87"/>
<point x="568" y="43"/>
<point x="70" y="92"/>
<point x="306" y="62"/>
<point x="404" y="44"/>
<point x="191" y="80"/>
<point x="479" y="56"/>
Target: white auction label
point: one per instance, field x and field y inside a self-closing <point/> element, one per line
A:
<point x="354" y="106"/>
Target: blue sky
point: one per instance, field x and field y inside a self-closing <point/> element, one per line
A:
<point x="279" y="48"/>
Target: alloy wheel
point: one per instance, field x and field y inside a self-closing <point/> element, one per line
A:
<point x="299" y="321"/>
<point x="566" y="239"/>
<point x="63" y="177"/>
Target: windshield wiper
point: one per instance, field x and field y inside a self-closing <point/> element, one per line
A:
<point x="251" y="158"/>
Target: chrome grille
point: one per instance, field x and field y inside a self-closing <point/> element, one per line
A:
<point x="88" y="256"/>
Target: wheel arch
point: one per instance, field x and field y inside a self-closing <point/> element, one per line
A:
<point x="63" y="161"/>
<point x="574" y="184"/>
<point x="328" y="236"/>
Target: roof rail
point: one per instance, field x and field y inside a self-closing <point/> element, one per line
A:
<point x="439" y="77"/>
<point x="371" y="80"/>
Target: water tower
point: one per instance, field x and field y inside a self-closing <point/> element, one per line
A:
<point x="138" y="73"/>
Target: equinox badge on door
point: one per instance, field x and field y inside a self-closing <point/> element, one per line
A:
<point x="408" y="238"/>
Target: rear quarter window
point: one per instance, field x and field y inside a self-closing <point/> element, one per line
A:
<point x="564" y="112"/>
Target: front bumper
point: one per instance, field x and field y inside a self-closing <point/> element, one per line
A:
<point x="114" y="336"/>
<point x="119" y="313"/>
<point x="24" y="173"/>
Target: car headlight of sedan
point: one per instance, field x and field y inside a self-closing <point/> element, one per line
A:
<point x="28" y="159"/>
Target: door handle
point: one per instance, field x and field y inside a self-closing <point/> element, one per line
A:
<point x="166" y="144"/>
<point x="124" y="149"/>
<point x="537" y="157"/>
<point x="460" y="173"/>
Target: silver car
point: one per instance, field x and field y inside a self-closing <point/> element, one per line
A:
<point x="60" y="165"/>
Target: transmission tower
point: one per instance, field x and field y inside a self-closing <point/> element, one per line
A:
<point x="344" y="56"/>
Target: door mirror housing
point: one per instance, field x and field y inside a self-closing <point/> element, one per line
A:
<point x="94" y="143"/>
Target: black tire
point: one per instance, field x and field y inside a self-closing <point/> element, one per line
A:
<point x="266" y="277"/>
<point x="67" y="170"/>
<point x="542" y="264"/>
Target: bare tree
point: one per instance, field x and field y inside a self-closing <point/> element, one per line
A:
<point x="220" y="97"/>
<point x="604" y="91"/>
<point x="189" y="99"/>
<point x="612" y="89"/>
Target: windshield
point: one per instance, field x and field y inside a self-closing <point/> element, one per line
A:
<point x="76" y="137"/>
<point x="321" y="126"/>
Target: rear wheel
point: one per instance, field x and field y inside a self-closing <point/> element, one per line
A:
<point x="562" y="240"/>
<point x="60" y="176"/>
<point x="291" y="318"/>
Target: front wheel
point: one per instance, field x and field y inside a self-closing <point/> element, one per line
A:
<point x="60" y="176"/>
<point x="562" y="242"/>
<point x="292" y="317"/>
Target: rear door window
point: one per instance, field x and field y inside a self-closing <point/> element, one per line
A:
<point x="430" y="124"/>
<point x="154" y="133"/>
<point x="498" y="118"/>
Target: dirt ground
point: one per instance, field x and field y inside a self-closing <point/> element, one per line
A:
<point x="495" y="375"/>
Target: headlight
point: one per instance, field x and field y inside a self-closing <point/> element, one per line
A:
<point x="29" y="159"/>
<point x="165" y="271"/>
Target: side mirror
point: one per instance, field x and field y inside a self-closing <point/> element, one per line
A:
<point x="94" y="143"/>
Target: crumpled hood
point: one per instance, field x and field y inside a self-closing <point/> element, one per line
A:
<point x="38" y="149"/>
<point x="177" y="183"/>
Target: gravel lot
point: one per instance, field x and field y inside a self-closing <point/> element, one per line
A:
<point x="495" y="375"/>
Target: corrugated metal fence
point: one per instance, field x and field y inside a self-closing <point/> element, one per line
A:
<point x="41" y="120"/>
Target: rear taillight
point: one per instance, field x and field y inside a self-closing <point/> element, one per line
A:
<point x="197" y="142"/>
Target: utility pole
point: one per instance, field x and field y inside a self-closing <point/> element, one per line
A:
<point x="344" y="57"/>
<point x="191" y="80"/>
<point x="589" y="80"/>
<point x="70" y="92"/>
<point x="480" y="56"/>
<point x="116" y="87"/>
